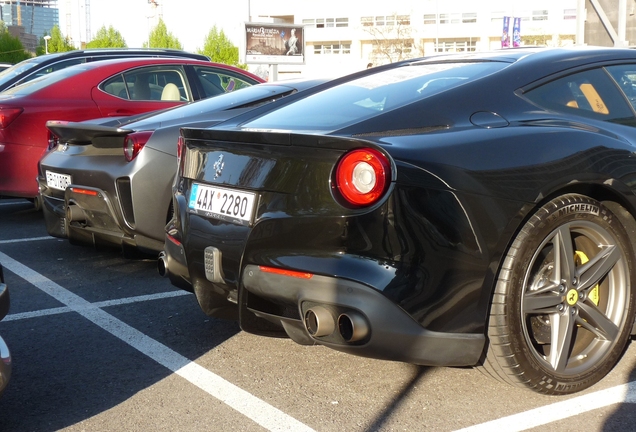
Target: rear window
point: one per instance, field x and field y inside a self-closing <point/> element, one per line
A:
<point x="371" y="95"/>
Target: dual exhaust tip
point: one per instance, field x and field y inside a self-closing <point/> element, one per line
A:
<point x="351" y="326"/>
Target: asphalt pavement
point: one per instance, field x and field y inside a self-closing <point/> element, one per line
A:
<point x="102" y="343"/>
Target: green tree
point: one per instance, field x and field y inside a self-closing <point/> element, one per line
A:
<point x="57" y="43"/>
<point x="107" y="38"/>
<point x="160" y="37"/>
<point x="220" y="49"/>
<point x="11" y="49"/>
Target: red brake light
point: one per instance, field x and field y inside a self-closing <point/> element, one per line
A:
<point x="362" y="176"/>
<point x="180" y="146"/>
<point x="134" y="142"/>
<point x="7" y="115"/>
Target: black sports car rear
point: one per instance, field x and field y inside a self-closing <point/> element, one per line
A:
<point x="474" y="209"/>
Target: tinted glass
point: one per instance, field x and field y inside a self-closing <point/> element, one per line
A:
<point x="156" y="83"/>
<point x="19" y="68"/>
<point x="371" y="95"/>
<point x="245" y="97"/>
<point x="215" y="82"/>
<point x="625" y="77"/>
<point x="591" y="94"/>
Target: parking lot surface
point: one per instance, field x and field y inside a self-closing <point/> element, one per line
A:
<point x="102" y="343"/>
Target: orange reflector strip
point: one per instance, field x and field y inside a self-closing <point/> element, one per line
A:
<point x="84" y="191"/>
<point x="283" y="272"/>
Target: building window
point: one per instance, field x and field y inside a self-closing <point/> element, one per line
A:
<point x="403" y="20"/>
<point x="332" y="49"/>
<point x="430" y="19"/>
<point x="451" y="45"/>
<point x="569" y="14"/>
<point x="539" y="15"/>
<point x="469" y="18"/>
<point x="449" y="18"/>
<point x="385" y="20"/>
<point x="326" y="22"/>
<point x="366" y="21"/>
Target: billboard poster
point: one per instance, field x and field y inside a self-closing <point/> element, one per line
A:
<point x="516" y="32"/>
<point x="505" y="37"/>
<point x="274" y="43"/>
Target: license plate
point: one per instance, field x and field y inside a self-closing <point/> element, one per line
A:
<point x="57" y="181"/>
<point x="222" y="203"/>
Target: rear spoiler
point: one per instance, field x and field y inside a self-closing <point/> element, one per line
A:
<point x="274" y="137"/>
<point x="83" y="133"/>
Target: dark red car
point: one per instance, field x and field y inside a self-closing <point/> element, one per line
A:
<point x="106" y="88"/>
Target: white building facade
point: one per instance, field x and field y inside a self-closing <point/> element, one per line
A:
<point x="344" y="36"/>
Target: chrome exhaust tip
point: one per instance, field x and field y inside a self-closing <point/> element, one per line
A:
<point x="319" y="322"/>
<point x="75" y="214"/>
<point x="162" y="264"/>
<point x="353" y="327"/>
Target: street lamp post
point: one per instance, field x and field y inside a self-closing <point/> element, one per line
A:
<point x="46" y="43"/>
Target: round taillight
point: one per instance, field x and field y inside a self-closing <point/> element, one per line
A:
<point x="362" y="176"/>
<point x="134" y="142"/>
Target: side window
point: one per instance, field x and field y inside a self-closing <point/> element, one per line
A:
<point x="625" y="77"/>
<point x="590" y="94"/>
<point x="216" y="81"/>
<point x="156" y="83"/>
<point x="116" y="87"/>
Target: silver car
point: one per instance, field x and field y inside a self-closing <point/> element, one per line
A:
<point x="110" y="182"/>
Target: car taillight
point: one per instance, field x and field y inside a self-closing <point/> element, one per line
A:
<point x="134" y="142"/>
<point x="53" y="140"/>
<point x="180" y="147"/>
<point x="362" y="176"/>
<point x="7" y="115"/>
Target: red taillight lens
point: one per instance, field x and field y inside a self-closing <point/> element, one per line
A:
<point x="362" y="176"/>
<point x="180" y="147"/>
<point x="134" y="142"/>
<point x="7" y="115"/>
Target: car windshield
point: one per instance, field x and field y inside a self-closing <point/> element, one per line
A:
<point x="19" y="68"/>
<point x="32" y="86"/>
<point x="371" y="95"/>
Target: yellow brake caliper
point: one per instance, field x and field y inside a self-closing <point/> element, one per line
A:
<point x="581" y="258"/>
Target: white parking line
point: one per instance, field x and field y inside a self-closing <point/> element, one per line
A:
<point x="245" y="403"/>
<point x="625" y="393"/>
<point x="107" y="303"/>
<point x="27" y="239"/>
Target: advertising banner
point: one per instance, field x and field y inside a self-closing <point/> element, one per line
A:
<point x="505" y="37"/>
<point x="274" y="43"/>
<point x="516" y="33"/>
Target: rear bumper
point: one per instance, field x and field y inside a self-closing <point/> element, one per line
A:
<point x="389" y="332"/>
<point x="95" y="219"/>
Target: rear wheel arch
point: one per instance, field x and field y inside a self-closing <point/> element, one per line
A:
<point x="518" y="351"/>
